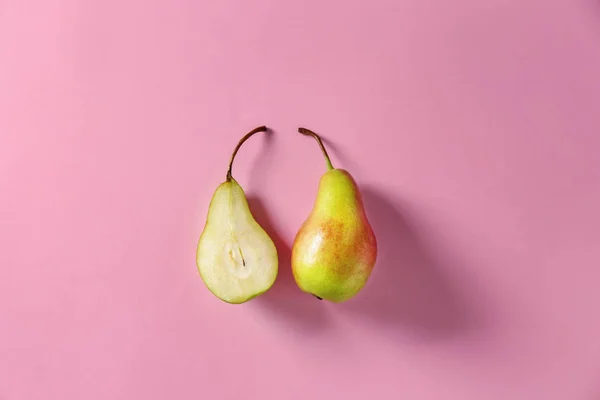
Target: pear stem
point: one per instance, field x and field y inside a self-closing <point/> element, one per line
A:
<point x="308" y="132"/>
<point x="242" y="140"/>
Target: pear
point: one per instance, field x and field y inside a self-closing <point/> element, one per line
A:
<point x="335" y="249"/>
<point x="236" y="258"/>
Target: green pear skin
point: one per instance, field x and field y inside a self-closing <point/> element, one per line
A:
<point x="335" y="249"/>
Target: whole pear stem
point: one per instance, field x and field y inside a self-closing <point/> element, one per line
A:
<point x="240" y="143"/>
<point x="308" y="132"/>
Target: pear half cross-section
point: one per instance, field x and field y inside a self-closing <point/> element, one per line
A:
<point x="236" y="258"/>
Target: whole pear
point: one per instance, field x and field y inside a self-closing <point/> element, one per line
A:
<point x="335" y="249"/>
<point x="236" y="258"/>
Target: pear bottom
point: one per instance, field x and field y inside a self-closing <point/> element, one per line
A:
<point x="327" y="284"/>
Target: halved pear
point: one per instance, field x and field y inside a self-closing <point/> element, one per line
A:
<point x="236" y="258"/>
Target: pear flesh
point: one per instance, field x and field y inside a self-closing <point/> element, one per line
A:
<point x="236" y="258"/>
<point x="335" y="249"/>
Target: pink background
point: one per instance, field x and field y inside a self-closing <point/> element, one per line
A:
<point x="472" y="127"/>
